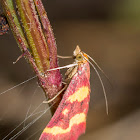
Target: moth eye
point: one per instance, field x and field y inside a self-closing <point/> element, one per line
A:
<point x="79" y="57"/>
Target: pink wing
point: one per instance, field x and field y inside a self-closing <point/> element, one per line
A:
<point x="69" y="120"/>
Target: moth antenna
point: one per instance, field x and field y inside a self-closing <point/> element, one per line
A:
<point x="18" y="85"/>
<point x="56" y="95"/>
<point x="98" y="67"/>
<point x="104" y="91"/>
<point x="67" y="66"/>
<point x="64" y="57"/>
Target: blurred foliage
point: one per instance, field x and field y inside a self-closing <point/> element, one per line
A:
<point x="128" y="10"/>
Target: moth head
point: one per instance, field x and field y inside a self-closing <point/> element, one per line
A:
<point x="79" y="55"/>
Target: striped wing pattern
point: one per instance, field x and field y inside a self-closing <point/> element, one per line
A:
<point x="69" y="120"/>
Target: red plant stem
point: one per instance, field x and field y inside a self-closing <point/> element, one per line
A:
<point x="40" y="56"/>
<point x="54" y="76"/>
<point x="34" y="27"/>
<point x="47" y="29"/>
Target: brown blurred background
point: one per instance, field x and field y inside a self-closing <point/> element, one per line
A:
<point x="107" y="30"/>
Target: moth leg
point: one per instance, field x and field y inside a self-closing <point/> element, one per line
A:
<point x="56" y="95"/>
<point x="64" y="57"/>
<point x="71" y="72"/>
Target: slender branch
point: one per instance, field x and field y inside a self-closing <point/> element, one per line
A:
<point x="37" y="44"/>
<point x="17" y="31"/>
<point x="47" y="32"/>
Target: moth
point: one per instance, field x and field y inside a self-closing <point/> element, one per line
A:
<point x="69" y="120"/>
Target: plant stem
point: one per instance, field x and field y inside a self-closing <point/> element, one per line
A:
<point x="37" y="45"/>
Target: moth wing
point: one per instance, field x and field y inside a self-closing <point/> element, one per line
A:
<point x="69" y="120"/>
